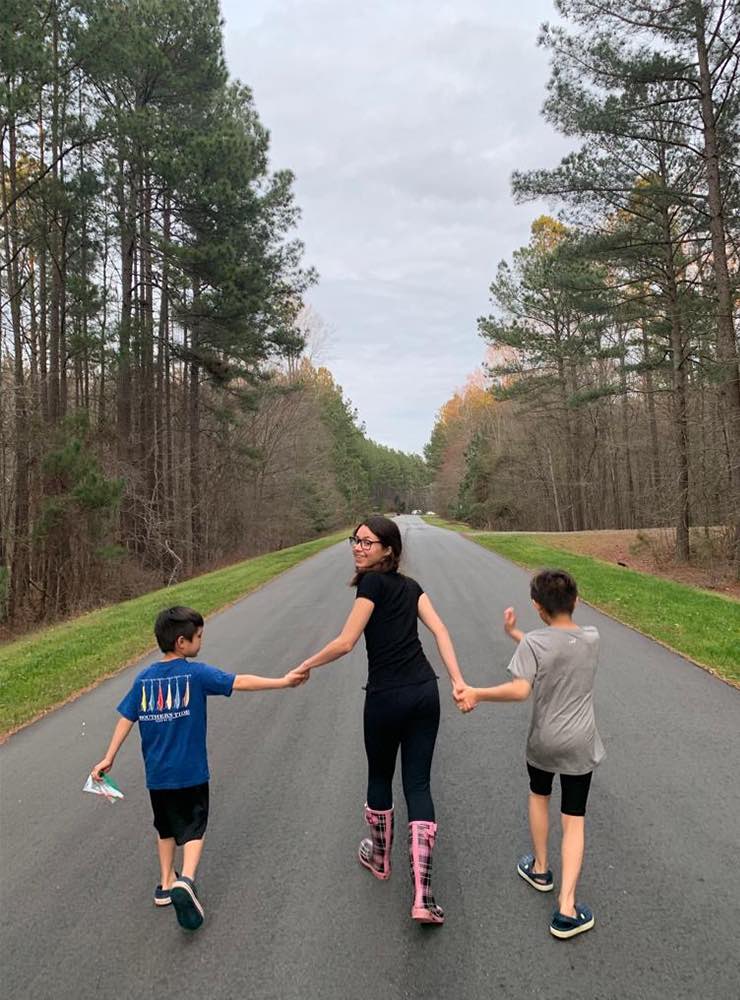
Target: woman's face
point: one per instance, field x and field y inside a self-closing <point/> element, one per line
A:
<point x="368" y="551"/>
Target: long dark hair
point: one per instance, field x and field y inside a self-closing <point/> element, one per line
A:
<point x="388" y="533"/>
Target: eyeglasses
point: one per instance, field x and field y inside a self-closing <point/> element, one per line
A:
<point x="365" y="543"/>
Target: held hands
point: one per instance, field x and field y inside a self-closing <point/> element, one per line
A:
<point x="466" y="697"/>
<point x="302" y="670"/>
<point x="295" y="677"/>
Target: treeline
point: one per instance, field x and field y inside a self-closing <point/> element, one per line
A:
<point x="156" y="413"/>
<point x="613" y="397"/>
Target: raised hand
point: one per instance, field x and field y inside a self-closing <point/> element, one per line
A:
<point x="509" y="620"/>
<point x="510" y="626"/>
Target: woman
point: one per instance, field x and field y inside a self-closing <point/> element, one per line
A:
<point x="401" y="703"/>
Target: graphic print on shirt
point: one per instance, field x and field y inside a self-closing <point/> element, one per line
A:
<point x="161" y="700"/>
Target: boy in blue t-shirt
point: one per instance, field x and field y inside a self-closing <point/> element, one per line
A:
<point x="168" y="700"/>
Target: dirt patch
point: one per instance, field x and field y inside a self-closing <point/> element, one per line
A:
<point x="650" y="550"/>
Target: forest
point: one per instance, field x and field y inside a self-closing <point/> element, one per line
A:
<point x="160" y="412"/>
<point x="609" y="396"/>
<point x="162" y="409"/>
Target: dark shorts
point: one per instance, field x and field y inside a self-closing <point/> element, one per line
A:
<point x="181" y="813"/>
<point x="574" y="789"/>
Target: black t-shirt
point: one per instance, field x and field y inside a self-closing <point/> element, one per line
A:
<point x="394" y="653"/>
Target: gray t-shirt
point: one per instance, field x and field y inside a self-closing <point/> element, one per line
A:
<point x="560" y="664"/>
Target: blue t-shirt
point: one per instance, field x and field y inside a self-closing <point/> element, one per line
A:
<point x="168" y="700"/>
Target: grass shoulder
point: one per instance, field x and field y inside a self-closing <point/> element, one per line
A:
<point x="696" y="623"/>
<point x="45" y="669"/>
<point x="440" y="522"/>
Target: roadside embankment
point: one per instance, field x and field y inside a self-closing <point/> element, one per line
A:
<point x="702" y="626"/>
<point x="48" y="667"/>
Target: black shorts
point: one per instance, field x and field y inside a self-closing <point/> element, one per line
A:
<point x="181" y="813"/>
<point x="574" y="789"/>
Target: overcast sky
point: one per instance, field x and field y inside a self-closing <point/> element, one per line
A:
<point x="402" y="122"/>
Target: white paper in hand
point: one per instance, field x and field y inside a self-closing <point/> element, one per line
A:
<point x="106" y="787"/>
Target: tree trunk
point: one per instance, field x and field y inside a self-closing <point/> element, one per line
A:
<point x="194" y="434"/>
<point x="652" y="422"/>
<point x="554" y="490"/>
<point x="126" y="203"/>
<point x="624" y="422"/>
<point x="148" y="431"/>
<point x="102" y="361"/>
<point x="576" y="523"/>
<point x="43" y="298"/>
<point x="680" y="411"/>
<point x="159" y="471"/>
<point x="19" y="568"/>
<point x="726" y="343"/>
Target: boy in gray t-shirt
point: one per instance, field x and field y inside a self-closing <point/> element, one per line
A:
<point x="557" y="664"/>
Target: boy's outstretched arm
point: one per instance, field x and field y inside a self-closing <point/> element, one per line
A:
<point x="517" y="689"/>
<point x="253" y="682"/>
<point x="123" y="728"/>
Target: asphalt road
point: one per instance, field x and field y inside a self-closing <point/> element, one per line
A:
<point x="290" y="913"/>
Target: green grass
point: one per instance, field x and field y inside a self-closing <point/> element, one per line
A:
<point x="439" y="522"/>
<point x="704" y="627"/>
<point x="46" y="668"/>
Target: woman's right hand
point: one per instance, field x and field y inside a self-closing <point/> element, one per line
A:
<point x="296" y="677"/>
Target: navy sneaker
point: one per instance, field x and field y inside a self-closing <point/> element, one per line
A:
<point x="188" y="907"/>
<point x="162" y="896"/>
<point x="541" y="881"/>
<point x="567" y="927"/>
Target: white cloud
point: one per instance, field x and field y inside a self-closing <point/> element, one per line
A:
<point x="402" y="122"/>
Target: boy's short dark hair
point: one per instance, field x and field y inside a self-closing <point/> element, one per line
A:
<point x="554" y="590"/>
<point x="174" y="622"/>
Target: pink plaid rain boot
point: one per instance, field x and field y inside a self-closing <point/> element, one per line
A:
<point x="375" y="851"/>
<point x="422" y="835"/>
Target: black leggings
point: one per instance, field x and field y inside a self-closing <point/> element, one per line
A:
<point x="407" y="717"/>
<point x="574" y="789"/>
